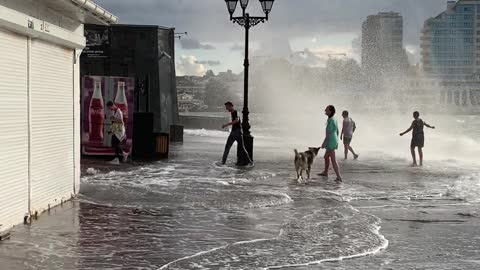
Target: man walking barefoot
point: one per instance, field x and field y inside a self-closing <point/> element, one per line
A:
<point x="346" y="135"/>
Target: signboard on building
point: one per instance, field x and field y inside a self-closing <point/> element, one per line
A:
<point x="98" y="42"/>
<point x="96" y="124"/>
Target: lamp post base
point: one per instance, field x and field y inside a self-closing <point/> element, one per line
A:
<point x="242" y="158"/>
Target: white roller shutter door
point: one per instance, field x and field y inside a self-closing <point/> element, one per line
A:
<point x="13" y="129"/>
<point x="52" y="125"/>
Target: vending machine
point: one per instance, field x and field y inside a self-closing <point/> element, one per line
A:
<point x="96" y="124"/>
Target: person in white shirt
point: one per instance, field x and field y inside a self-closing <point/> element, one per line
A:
<point x="117" y="130"/>
<point x="347" y="134"/>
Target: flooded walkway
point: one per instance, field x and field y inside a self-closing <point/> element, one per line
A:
<point x="188" y="213"/>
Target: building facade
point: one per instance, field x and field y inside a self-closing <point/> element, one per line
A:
<point x="382" y="45"/>
<point x="450" y="42"/>
<point x="40" y="42"/>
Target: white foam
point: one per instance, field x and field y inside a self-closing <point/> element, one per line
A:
<point x="278" y="199"/>
<point x="92" y="171"/>
<point x="375" y="229"/>
<point x="206" y="133"/>
<point x="224" y="134"/>
<point x="211" y="250"/>
<point x="372" y="251"/>
<point x="467" y="188"/>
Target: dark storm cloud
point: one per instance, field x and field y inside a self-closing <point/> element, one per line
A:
<point x="209" y="63"/>
<point x="209" y="19"/>
<point x="193" y="44"/>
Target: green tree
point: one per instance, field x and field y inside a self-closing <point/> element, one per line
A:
<point x="217" y="93"/>
<point x="209" y="74"/>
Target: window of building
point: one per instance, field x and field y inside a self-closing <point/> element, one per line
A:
<point x="465" y="8"/>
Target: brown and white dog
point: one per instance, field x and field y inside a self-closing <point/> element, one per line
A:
<point x="304" y="162"/>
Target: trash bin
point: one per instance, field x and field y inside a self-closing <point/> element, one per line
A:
<point x="162" y="145"/>
<point x="143" y="143"/>
<point x="176" y="133"/>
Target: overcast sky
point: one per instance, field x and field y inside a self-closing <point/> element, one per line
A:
<point x="320" y="26"/>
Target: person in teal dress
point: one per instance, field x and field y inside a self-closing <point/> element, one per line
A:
<point x="330" y="144"/>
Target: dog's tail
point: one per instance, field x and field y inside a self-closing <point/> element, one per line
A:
<point x="296" y="152"/>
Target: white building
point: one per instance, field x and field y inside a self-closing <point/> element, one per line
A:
<point x="40" y="43"/>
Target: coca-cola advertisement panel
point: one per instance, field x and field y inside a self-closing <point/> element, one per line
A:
<point x="96" y="124"/>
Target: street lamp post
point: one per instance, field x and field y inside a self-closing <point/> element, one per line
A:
<point x="247" y="22"/>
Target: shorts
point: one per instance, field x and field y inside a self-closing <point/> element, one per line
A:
<point x="347" y="140"/>
<point x="418" y="141"/>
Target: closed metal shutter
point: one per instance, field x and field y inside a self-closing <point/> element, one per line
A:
<point x="52" y="123"/>
<point x="13" y="129"/>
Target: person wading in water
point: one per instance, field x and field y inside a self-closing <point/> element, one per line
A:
<point x="331" y="143"/>
<point x="418" y="138"/>
<point x="235" y="135"/>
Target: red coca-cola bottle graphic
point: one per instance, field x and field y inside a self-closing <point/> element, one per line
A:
<point x="96" y="114"/>
<point x="121" y="102"/>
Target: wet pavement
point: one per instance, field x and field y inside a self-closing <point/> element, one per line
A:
<point x="188" y="213"/>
